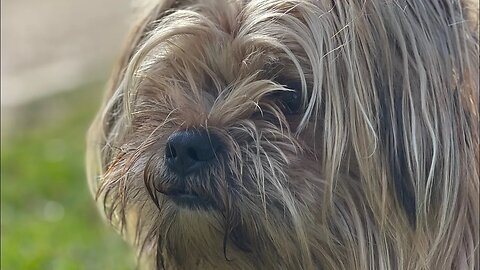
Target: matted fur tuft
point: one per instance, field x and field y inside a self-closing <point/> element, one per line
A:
<point x="378" y="170"/>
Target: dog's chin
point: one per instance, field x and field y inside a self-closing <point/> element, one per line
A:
<point x="190" y="200"/>
<point x="186" y="199"/>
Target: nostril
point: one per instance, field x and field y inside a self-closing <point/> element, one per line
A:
<point x="170" y="151"/>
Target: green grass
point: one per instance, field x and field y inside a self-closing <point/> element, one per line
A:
<point x="48" y="217"/>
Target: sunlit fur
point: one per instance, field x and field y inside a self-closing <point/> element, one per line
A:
<point x="379" y="170"/>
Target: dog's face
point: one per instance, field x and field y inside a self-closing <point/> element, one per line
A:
<point x="271" y="134"/>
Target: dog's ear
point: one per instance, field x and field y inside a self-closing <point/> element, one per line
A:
<point x="147" y="13"/>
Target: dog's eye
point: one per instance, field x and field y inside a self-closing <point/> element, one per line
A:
<point x="290" y="101"/>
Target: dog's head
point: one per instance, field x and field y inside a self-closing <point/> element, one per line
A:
<point x="292" y="134"/>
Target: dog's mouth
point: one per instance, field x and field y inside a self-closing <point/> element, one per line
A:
<point x="189" y="199"/>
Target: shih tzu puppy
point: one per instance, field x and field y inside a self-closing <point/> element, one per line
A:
<point x="294" y="134"/>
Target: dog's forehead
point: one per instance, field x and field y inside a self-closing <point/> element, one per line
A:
<point x="226" y="39"/>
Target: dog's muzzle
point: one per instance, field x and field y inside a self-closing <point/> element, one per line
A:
<point x="188" y="153"/>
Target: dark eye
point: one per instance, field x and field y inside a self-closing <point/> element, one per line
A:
<point x="290" y="101"/>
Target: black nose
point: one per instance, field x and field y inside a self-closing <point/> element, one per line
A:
<point x="189" y="150"/>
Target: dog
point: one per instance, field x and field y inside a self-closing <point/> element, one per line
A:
<point x="294" y="134"/>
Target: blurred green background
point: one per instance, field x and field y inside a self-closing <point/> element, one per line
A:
<point x="55" y="58"/>
<point x="48" y="218"/>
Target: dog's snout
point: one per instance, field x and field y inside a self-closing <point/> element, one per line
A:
<point x="189" y="150"/>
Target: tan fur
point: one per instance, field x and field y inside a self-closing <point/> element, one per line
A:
<point x="378" y="171"/>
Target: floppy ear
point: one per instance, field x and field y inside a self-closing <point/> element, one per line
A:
<point x="147" y="12"/>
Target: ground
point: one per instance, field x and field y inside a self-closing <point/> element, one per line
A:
<point x="48" y="218"/>
<point x="51" y="52"/>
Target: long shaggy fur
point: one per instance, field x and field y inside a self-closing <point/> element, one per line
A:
<point x="379" y="170"/>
